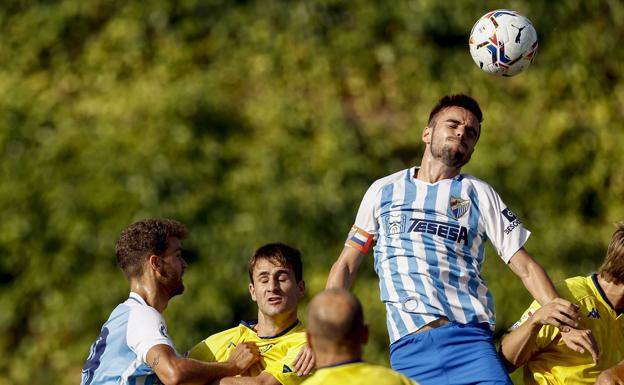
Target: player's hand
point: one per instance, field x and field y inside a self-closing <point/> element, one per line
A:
<point x="581" y="341"/>
<point x="243" y="356"/>
<point x="560" y="313"/>
<point x="609" y="377"/>
<point x="304" y="362"/>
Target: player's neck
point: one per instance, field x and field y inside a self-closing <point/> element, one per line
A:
<point x="150" y="293"/>
<point x="328" y="359"/>
<point x="432" y="170"/>
<point x="269" y="326"/>
<point x="613" y="291"/>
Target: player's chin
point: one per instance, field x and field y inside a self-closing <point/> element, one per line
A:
<point x="179" y="289"/>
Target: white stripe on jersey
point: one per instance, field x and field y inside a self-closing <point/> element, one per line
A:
<point x="430" y="244"/>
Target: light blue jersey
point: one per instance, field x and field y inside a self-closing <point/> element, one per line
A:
<point x="118" y="355"/>
<point x="429" y="247"/>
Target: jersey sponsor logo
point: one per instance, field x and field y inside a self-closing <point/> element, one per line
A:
<point x="593" y="313"/>
<point x="459" y="206"/>
<point x="452" y="232"/>
<point x="512" y="219"/>
<point x="163" y="330"/>
<point x="509" y="215"/>
<point x="395" y="223"/>
<point x="231" y="345"/>
<point x="265" y="349"/>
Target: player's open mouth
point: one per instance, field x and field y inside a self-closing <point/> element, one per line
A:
<point x="274" y="300"/>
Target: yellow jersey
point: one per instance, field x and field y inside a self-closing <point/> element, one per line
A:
<point x="357" y="373"/>
<point x="277" y="352"/>
<point x="554" y="362"/>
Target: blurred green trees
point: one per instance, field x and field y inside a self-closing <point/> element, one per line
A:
<point x="258" y="121"/>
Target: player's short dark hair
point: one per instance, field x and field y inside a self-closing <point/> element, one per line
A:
<point x="457" y="100"/>
<point x="283" y="254"/>
<point x="612" y="268"/>
<point x="144" y="238"/>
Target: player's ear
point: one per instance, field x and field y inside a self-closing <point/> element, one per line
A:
<point x="153" y="262"/>
<point x="252" y="291"/>
<point x="426" y="134"/>
<point x="301" y="287"/>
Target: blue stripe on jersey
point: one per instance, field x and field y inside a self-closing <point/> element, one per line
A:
<point x="475" y="279"/>
<point x="430" y="249"/>
<point x="386" y="199"/>
<point x="455" y="271"/>
<point x="408" y="246"/>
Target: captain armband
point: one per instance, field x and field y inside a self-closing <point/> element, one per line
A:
<point x="359" y="239"/>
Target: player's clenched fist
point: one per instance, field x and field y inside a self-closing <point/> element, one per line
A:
<point x="244" y="355"/>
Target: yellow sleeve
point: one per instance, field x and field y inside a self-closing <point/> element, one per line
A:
<point x="282" y="369"/>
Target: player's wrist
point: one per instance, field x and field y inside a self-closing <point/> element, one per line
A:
<point x="232" y="368"/>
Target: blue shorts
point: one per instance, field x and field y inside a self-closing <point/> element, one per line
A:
<point x="452" y="354"/>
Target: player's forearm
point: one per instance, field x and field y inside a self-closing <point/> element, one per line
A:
<point x="339" y="276"/>
<point x="533" y="277"/>
<point x="344" y="269"/>
<point x="519" y="345"/>
<point x="539" y="284"/>
<point x="189" y="371"/>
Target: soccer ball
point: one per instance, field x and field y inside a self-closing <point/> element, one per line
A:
<point x="503" y="42"/>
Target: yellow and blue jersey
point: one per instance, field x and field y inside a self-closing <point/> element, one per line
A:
<point x="357" y="373"/>
<point x="554" y="362"/>
<point x="277" y="352"/>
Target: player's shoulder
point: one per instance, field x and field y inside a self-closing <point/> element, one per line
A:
<point x="380" y="183"/>
<point x="479" y="185"/>
<point x="234" y="333"/>
<point x="576" y="288"/>
<point x="392" y="178"/>
<point x="138" y="309"/>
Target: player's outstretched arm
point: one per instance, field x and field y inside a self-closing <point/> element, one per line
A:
<point x="541" y="287"/>
<point x="174" y="370"/>
<point x="344" y="269"/>
<point x="519" y="346"/>
<point x="612" y="376"/>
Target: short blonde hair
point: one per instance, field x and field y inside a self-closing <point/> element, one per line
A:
<point x="612" y="268"/>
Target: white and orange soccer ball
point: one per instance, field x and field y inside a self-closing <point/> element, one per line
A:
<point x="503" y="42"/>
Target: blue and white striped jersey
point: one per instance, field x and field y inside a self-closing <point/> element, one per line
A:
<point x="118" y="355"/>
<point x="429" y="247"/>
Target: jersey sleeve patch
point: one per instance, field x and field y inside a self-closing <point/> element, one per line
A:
<point x="359" y="239"/>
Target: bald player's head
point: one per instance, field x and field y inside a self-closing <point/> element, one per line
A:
<point x="336" y="323"/>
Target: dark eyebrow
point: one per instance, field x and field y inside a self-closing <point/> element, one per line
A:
<point x="453" y="120"/>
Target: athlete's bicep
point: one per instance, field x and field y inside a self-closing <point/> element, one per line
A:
<point x="162" y="360"/>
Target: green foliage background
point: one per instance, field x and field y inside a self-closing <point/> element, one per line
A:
<point x="258" y="121"/>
